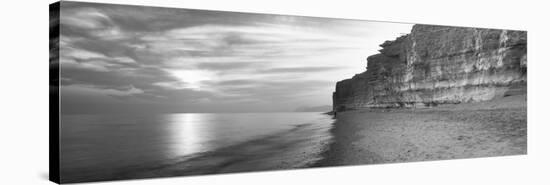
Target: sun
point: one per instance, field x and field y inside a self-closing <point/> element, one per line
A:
<point x="193" y="79"/>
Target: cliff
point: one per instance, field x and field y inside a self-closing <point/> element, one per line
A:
<point x="438" y="65"/>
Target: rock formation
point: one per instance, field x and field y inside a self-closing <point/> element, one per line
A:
<point x="437" y="65"/>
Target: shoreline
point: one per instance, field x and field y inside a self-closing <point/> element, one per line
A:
<point x="293" y="148"/>
<point x="285" y="150"/>
<point x="469" y="130"/>
<point x="360" y="137"/>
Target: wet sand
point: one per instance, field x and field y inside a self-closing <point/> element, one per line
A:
<point x="295" y="148"/>
<point x="374" y="136"/>
<point x="469" y="130"/>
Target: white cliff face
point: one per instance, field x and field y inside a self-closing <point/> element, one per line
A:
<point x="438" y="64"/>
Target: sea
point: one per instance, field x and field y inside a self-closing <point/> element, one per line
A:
<point x="129" y="146"/>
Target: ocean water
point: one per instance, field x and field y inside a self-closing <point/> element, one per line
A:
<point x="111" y="147"/>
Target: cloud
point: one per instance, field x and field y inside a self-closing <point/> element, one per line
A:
<point x="123" y="91"/>
<point x="192" y="60"/>
<point x="171" y="85"/>
<point x="222" y="66"/>
<point x="270" y="90"/>
<point x="94" y="65"/>
<point x="236" y="82"/>
<point x="140" y="77"/>
<point x="301" y="69"/>
<point x="86" y="18"/>
<point x="93" y="21"/>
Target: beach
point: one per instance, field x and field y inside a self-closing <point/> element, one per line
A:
<point x="293" y="140"/>
<point x="468" y="130"/>
<point x="144" y="146"/>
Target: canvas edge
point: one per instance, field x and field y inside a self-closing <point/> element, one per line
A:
<point x="54" y="125"/>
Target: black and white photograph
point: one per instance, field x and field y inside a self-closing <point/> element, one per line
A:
<point x="274" y="92"/>
<point x="147" y="92"/>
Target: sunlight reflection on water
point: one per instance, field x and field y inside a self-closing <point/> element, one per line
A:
<point x="202" y="132"/>
<point x="188" y="133"/>
<point x="103" y="145"/>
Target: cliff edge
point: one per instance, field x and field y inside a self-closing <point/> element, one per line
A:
<point x="439" y="65"/>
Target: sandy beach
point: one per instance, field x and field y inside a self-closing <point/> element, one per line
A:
<point x="468" y="130"/>
<point x="369" y="136"/>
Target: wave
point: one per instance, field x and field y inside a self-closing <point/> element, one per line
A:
<point x="297" y="147"/>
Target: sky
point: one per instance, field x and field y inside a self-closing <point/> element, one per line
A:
<point x="136" y="59"/>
